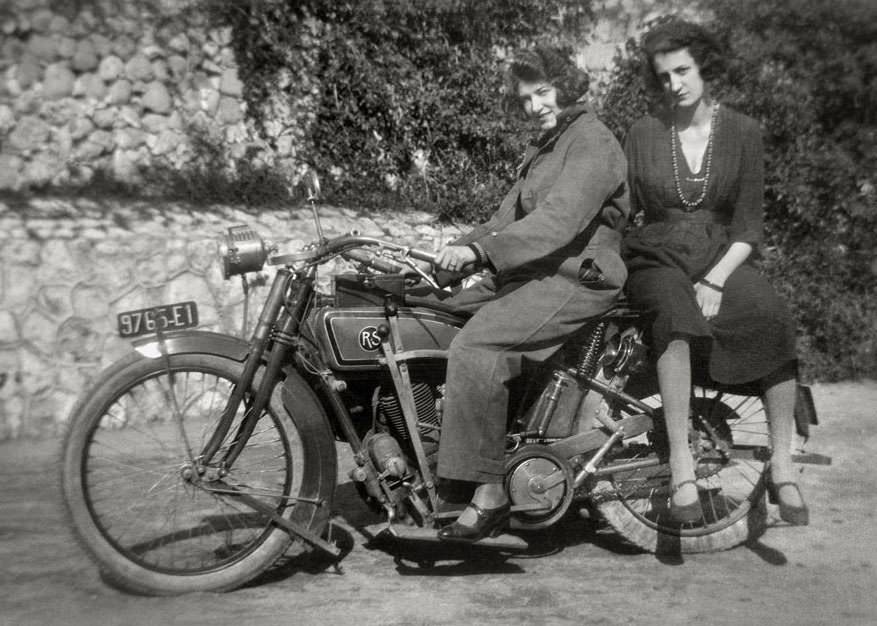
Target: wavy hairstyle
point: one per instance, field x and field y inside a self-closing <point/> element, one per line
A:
<point x="675" y="34"/>
<point x="553" y="65"/>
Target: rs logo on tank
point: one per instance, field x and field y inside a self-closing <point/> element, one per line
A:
<point x="369" y="340"/>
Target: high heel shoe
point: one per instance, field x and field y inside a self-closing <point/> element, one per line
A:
<point x="794" y="515"/>
<point x="685" y="513"/>
<point x="489" y="522"/>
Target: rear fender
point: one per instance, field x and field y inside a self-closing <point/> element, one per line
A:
<point x="193" y="341"/>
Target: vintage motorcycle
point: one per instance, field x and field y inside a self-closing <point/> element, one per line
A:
<point x="195" y="462"/>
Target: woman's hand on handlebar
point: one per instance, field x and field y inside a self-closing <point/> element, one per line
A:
<point x="455" y="258"/>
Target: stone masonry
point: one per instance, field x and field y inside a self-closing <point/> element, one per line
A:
<point x="117" y="90"/>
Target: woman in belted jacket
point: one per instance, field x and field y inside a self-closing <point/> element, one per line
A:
<point x="552" y="249"/>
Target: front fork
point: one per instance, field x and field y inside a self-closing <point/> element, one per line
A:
<point x="277" y="326"/>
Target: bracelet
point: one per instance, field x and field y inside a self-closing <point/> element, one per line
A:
<point x="704" y="281"/>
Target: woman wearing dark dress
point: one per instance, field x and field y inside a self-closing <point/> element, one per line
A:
<point x="696" y="175"/>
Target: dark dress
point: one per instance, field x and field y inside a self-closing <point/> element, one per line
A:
<point x="753" y="334"/>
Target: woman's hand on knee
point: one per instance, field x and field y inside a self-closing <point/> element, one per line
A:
<point x="708" y="299"/>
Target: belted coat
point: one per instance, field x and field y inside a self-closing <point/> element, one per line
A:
<point x="553" y="246"/>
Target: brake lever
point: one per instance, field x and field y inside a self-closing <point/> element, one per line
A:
<point x="424" y="275"/>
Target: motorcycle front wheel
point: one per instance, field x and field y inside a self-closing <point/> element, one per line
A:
<point x="134" y="495"/>
<point x="730" y="442"/>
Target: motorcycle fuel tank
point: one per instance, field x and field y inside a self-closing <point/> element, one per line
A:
<point x="350" y="339"/>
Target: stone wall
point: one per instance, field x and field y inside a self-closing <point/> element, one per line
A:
<point x="112" y="86"/>
<point x="68" y="268"/>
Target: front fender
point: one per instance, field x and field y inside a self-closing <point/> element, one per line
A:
<point x="193" y="341"/>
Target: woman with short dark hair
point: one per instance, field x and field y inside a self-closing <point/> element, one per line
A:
<point x="696" y="173"/>
<point x="553" y="252"/>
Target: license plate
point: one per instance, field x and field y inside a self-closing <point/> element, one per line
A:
<point x="164" y="317"/>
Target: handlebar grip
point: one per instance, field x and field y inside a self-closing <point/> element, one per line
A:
<point x="420" y="255"/>
<point x="372" y="260"/>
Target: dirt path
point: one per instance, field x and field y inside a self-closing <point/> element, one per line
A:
<point x="814" y="576"/>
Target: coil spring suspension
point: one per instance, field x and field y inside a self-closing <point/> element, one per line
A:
<point x="590" y="352"/>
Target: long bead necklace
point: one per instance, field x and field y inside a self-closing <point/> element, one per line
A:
<point x="707" y="167"/>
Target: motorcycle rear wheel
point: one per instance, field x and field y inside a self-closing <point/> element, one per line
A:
<point x="128" y="491"/>
<point x="636" y="502"/>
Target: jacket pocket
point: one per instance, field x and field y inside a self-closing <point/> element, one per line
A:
<point x="604" y="270"/>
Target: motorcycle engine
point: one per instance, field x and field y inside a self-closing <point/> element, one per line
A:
<point x="387" y="481"/>
<point x="428" y="402"/>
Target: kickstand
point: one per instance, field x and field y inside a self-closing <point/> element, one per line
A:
<point x="339" y="556"/>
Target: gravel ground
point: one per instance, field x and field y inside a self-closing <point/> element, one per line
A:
<point x="813" y="576"/>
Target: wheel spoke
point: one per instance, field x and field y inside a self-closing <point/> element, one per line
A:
<point x="729" y="485"/>
<point x="139" y="496"/>
<point x="143" y="509"/>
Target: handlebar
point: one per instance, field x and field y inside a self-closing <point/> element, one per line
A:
<point x="381" y="264"/>
<point x="347" y="245"/>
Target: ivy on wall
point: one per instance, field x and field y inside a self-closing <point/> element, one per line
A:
<point x="402" y="101"/>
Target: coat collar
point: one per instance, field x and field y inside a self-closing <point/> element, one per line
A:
<point x="566" y="117"/>
<point x="546" y="140"/>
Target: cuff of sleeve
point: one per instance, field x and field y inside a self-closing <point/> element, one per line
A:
<point x="481" y="258"/>
<point x="479" y="252"/>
